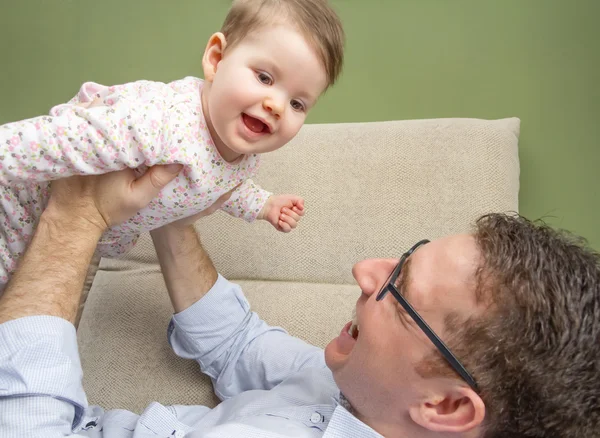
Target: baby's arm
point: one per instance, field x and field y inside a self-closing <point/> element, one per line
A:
<point x="83" y="141"/>
<point x="246" y="201"/>
<point x="250" y="202"/>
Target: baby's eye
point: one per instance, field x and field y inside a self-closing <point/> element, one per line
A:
<point x="297" y="105"/>
<point x="264" y="78"/>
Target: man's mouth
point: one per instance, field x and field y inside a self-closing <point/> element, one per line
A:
<point x="353" y="330"/>
<point x="255" y="125"/>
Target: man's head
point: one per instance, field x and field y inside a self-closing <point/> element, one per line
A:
<point x="517" y="303"/>
<point x="266" y="69"/>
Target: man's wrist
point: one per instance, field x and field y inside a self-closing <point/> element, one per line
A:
<point x="170" y="237"/>
<point x="188" y="271"/>
<point x="83" y="220"/>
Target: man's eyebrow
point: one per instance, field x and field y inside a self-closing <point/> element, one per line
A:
<point x="404" y="278"/>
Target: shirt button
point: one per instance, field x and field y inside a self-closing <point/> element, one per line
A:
<point x="179" y="434"/>
<point x="316" y="418"/>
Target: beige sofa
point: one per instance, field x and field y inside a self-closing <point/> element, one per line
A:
<point x="371" y="190"/>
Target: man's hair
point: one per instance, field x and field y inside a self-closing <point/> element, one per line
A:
<point x="536" y="353"/>
<point x="314" y="19"/>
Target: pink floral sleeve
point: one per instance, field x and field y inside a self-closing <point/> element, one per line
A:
<point x="127" y="130"/>
<point x="246" y="201"/>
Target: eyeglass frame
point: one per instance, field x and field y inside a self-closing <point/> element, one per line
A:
<point x="433" y="337"/>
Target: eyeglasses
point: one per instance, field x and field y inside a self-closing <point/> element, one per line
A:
<point x="390" y="286"/>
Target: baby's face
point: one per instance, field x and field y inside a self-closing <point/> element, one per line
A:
<point x="262" y="91"/>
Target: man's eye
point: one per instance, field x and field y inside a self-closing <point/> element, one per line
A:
<point x="264" y="78"/>
<point x="402" y="314"/>
<point x="297" y="105"/>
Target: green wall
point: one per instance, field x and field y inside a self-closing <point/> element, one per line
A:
<point x="535" y="59"/>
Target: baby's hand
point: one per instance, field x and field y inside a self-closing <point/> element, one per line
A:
<point x="283" y="212"/>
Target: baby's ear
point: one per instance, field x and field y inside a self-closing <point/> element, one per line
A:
<point x="213" y="54"/>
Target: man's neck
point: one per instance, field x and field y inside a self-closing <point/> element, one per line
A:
<point x="394" y="429"/>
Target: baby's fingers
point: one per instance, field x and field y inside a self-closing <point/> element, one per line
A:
<point x="284" y="226"/>
<point x="298" y="211"/>
<point x="287" y="223"/>
<point x="291" y="213"/>
<point x="299" y="207"/>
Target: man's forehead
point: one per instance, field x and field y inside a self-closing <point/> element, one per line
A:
<point x="458" y="248"/>
<point x="446" y="263"/>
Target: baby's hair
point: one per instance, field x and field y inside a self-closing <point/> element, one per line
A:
<point x="314" y="19"/>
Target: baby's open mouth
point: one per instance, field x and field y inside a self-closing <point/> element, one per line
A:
<point x="255" y="125"/>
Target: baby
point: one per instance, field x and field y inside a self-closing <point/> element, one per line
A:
<point x="263" y="73"/>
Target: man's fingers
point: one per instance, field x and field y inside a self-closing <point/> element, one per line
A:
<point x="154" y="180"/>
<point x="216" y="205"/>
<point x="91" y="104"/>
<point x="223" y="199"/>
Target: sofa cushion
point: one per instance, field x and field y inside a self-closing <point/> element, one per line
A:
<point x="126" y="358"/>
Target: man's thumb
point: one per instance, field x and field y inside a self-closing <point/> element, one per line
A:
<point x="155" y="179"/>
<point x="160" y="176"/>
<point x="173" y="168"/>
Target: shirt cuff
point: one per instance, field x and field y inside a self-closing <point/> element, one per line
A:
<point x="205" y="324"/>
<point x="39" y="357"/>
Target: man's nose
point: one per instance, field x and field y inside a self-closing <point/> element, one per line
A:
<point x="371" y="274"/>
<point x="274" y="106"/>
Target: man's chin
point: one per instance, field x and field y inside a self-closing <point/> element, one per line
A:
<point x="330" y="361"/>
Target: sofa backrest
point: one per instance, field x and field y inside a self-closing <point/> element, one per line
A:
<point x="371" y="190"/>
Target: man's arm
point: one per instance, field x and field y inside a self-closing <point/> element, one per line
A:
<point x="188" y="271"/>
<point x="41" y="393"/>
<point x="214" y="324"/>
<point x="40" y="373"/>
<point x="51" y="274"/>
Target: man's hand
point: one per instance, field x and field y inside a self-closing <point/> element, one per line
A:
<point x="283" y="212"/>
<point x="107" y="200"/>
<point x="50" y="275"/>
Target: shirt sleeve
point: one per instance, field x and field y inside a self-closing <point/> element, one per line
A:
<point x="246" y="201"/>
<point x="40" y="378"/>
<point x="234" y="347"/>
<point x="127" y="130"/>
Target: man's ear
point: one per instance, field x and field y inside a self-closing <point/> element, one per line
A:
<point x="213" y="54"/>
<point x="457" y="410"/>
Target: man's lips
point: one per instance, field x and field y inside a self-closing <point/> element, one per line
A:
<point x="345" y="342"/>
<point x="255" y="125"/>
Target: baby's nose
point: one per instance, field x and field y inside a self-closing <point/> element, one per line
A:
<point x="273" y="106"/>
